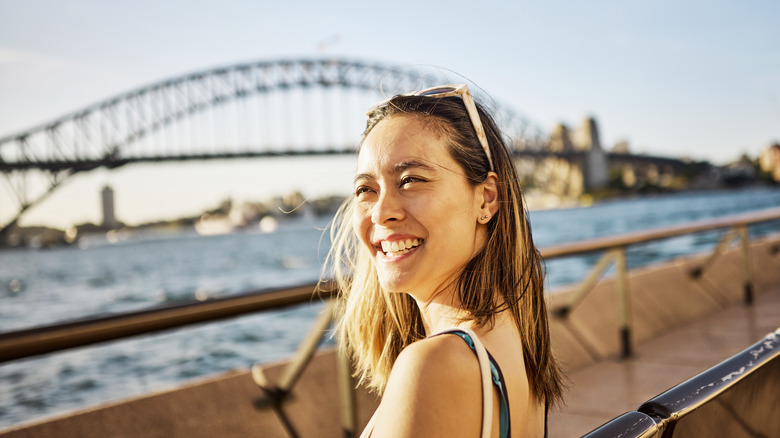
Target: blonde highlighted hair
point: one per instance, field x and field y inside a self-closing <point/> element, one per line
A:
<point x="506" y="275"/>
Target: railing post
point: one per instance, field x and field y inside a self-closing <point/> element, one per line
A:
<point x="348" y="405"/>
<point x="302" y="358"/>
<point x="307" y="348"/>
<point x="747" y="274"/>
<point x="624" y="302"/>
<point x="723" y="243"/>
<point x="587" y="285"/>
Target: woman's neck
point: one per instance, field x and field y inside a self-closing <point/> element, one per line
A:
<point x="441" y="312"/>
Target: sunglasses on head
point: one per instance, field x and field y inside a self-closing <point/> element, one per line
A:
<point x="471" y="108"/>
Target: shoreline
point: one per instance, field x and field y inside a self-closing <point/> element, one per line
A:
<point x="43" y="237"/>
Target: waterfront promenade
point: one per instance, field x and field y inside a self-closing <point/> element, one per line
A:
<point x="719" y="325"/>
<point x="606" y="389"/>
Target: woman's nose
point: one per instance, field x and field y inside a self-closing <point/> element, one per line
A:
<point x="387" y="208"/>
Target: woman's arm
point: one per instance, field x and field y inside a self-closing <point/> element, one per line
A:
<point x="434" y="390"/>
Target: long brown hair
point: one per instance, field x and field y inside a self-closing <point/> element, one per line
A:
<point x="506" y="275"/>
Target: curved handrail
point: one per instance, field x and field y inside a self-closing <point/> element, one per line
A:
<point x="730" y="385"/>
<point x="632" y="424"/>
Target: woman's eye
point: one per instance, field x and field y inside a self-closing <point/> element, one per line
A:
<point x="409" y="180"/>
<point x="362" y="190"/>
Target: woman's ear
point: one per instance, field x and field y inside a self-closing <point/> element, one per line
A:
<point x="489" y="192"/>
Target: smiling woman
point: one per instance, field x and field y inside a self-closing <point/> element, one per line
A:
<point x="411" y="190"/>
<point x="436" y="241"/>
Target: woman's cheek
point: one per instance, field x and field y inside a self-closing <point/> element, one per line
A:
<point x="360" y="223"/>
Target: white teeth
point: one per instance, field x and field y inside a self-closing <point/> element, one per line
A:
<point x="399" y="247"/>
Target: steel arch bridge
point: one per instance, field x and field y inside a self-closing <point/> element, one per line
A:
<point x="261" y="109"/>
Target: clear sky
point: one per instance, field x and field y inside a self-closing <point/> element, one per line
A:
<point x="679" y="78"/>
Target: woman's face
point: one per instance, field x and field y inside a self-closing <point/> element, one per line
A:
<point x="415" y="211"/>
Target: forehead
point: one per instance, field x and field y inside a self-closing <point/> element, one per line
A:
<point x="400" y="139"/>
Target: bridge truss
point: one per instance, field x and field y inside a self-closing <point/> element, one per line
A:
<point x="262" y="109"/>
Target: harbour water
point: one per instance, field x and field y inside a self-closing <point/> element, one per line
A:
<point x="40" y="287"/>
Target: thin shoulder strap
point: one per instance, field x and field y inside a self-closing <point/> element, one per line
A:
<point x="487" y="381"/>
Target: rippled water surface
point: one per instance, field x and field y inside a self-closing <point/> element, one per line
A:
<point x="46" y="286"/>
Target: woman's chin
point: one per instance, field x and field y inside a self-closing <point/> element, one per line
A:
<point x="394" y="283"/>
<point x="392" y="287"/>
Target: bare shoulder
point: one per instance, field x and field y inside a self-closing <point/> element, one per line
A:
<point x="446" y="355"/>
<point x="434" y="389"/>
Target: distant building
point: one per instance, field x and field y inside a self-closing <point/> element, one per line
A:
<point x="595" y="170"/>
<point x="109" y="219"/>
<point x="621" y="147"/>
<point x="575" y="163"/>
<point x="769" y="162"/>
<point x="560" y="140"/>
<point x="588" y="135"/>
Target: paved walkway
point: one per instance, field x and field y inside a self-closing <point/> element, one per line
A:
<point x="601" y="391"/>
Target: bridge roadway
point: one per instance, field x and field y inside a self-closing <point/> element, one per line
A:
<point x="57" y="164"/>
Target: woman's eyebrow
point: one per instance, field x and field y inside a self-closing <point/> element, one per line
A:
<point x="364" y="177"/>
<point x="413" y="164"/>
<point x="397" y="168"/>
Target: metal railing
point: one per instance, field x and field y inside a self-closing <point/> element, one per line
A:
<point x="47" y="339"/>
<point x="615" y="247"/>
<point x="56" y="337"/>
<point x="728" y="390"/>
